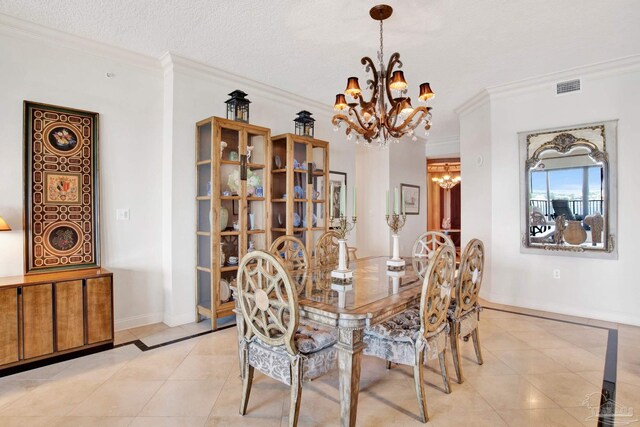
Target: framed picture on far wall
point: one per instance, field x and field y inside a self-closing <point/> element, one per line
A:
<point x="338" y="180"/>
<point x="411" y="196"/>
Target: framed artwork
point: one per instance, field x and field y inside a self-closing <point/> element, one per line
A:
<point x="61" y="188"/>
<point x="338" y="180"/>
<point x="411" y="196"/>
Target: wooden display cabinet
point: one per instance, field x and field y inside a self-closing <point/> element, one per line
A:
<point x="224" y="149"/>
<point x="300" y="188"/>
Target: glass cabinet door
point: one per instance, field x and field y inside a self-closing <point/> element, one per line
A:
<point x="257" y="151"/>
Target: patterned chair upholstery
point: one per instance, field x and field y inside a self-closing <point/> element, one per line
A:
<point x="409" y="337"/>
<point x="464" y="311"/>
<point x="424" y="249"/>
<point x="272" y="338"/>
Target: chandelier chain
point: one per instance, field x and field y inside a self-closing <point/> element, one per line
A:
<point x="381" y="52"/>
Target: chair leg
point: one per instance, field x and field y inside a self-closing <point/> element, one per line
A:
<point x="444" y="372"/>
<point x="475" y="335"/>
<point x="296" y="392"/>
<point x="388" y="364"/>
<point x="247" y="380"/>
<point x="455" y="350"/>
<point x="418" y="378"/>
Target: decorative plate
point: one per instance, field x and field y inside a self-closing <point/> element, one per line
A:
<point x="296" y="219"/>
<point x="225" y="290"/>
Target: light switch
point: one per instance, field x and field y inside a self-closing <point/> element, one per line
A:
<point x="122" y="214"/>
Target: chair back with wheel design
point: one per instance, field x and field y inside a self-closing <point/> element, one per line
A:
<point x="436" y="289"/>
<point x="469" y="277"/>
<point x="327" y="250"/>
<point x="291" y="252"/>
<point x="268" y="301"/>
<point x="424" y="249"/>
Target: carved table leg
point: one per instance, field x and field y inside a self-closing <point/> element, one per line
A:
<point x="350" y="346"/>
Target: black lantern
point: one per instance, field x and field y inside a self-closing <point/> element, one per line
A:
<point x="238" y="106"/>
<point x="304" y="123"/>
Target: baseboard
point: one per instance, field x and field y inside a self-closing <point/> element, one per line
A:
<point x="179" y="319"/>
<point x="135" y="321"/>
<point x="562" y="309"/>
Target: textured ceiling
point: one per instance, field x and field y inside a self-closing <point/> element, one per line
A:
<point x="310" y="47"/>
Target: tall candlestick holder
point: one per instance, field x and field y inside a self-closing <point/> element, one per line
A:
<point x="342" y="227"/>
<point x="396" y="222"/>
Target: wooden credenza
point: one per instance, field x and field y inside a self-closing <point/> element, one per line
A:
<point x="48" y="315"/>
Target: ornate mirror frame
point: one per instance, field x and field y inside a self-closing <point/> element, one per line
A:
<point x="602" y="149"/>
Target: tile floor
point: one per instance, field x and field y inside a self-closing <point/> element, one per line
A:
<point x="537" y="372"/>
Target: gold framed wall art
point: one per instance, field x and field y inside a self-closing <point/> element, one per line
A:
<point x="61" y="188"/>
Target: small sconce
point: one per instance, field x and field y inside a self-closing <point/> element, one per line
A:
<point x="304" y="123"/>
<point x="3" y="225"/>
<point x="238" y="106"/>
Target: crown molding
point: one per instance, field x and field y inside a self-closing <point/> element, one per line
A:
<point x="472" y="103"/>
<point x="15" y="27"/>
<point x="452" y="139"/>
<point x="601" y="69"/>
<point x="170" y="60"/>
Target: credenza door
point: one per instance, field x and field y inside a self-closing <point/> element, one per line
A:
<point x="37" y="320"/>
<point x="69" y="315"/>
<point x="99" y="310"/>
<point x="9" y="350"/>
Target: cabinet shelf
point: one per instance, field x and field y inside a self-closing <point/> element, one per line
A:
<point x="229" y="268"/>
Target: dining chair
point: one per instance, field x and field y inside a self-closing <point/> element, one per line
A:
<point x="272" y="339"/>
<point x="464" y="311"/>
<point x="291" y="252"/>
<point x="424" y="249"/>
<point x="416" y="333"/>
<point x="327" y="250"/>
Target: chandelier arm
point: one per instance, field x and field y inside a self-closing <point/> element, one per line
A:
<point x="423" y="110"/>
<point x="367" y="105"/>
<point x="361" y="124"/>
<point x="338" y="118"/>
<point x="395" y="59"/>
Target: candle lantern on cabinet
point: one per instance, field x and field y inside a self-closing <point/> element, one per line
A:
<point x="304" y="123"/>
<point x="238" y="106"/>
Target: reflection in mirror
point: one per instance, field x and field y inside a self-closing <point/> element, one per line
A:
<point x="566" y="190"/>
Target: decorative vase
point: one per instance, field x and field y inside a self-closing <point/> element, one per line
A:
<point x="224" y="218"/>
<point x="575" y="233"/>
<point x="251" y="246"/>
<point x="222" y="258"/>
<point x="251" y="224"/>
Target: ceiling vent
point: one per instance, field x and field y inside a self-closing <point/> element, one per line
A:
<point x="568" y="86"/>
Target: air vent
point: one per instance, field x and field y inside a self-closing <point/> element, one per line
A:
<point x="568" y="86"/>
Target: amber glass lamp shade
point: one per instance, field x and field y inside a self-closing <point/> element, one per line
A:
<point x="353" y="88"/>
<point x="426" y="92"/>
<point x="341" y="102"/>
<point x="397" y="81"/>
<point x="3" y="225"/>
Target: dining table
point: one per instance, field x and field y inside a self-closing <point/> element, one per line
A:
<point x="373" y="296"/>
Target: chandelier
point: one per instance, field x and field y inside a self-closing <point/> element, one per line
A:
<point x="380" y="121"/>
<point x="446" y="181"/>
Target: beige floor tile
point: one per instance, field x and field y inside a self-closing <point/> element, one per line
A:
<point x="552" y="417"/>
<point x="464" y="396"/>
<point x="594" y="377"/>
<point x="164" y="336"/>
<point x="156" y="364"/>
<point x="144" y="331"/>
<point x="575" y="359"/>
<point x="529" y="361"/>
<point x="26" y="421"/>
<point x="125" y="336"/>
<point x="566" y="389"/>
<point x="240" y="421"/>
<point x="44" y="373"/>
<point x="266" y="399"/>
<point x="99" y="366"/>
<point x="629" y="353"/>
<point x="197" y="327"/>
<point x="510" y="392"/>
<point x="584" y="415"/>
<point x="195" y="367"/>
<point x="470" y="368"/>
<point x="385" y="402"/>
<point x="582" y="336"/>
<point x="92" y="422"/>
<point x="168" y="422"/>
<point x="541" y="339"/>
<point x="12" y="389"/>
<point x="184" y="398"/>
<point x="218" y="343"/>
<point x="627" y="377"/>
<point x="461" y="417"/>
<point x="523" y="324"/>
<point x="628" y="395"/>
<point x="56" y="397"/>
<point x="503" y="341"/>
<point x="123" y="398"/>
<point x="320" y="405"/>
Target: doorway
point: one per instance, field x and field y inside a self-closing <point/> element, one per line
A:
<point x="443" y="205"/>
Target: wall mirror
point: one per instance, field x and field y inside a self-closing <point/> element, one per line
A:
<point x="568" y="190"/>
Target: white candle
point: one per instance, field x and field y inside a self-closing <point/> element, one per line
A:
<point x="402" y="201"/>
<point x="342" y="200"/>
<point x="387" y="201"/>
<point x="354" y="200"/>
<point x="396" y="200"/>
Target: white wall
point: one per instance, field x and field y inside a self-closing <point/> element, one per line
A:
<point x="602" y="289"/>
<point x="443" y="147"/>
<point x="130" y="107"/>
